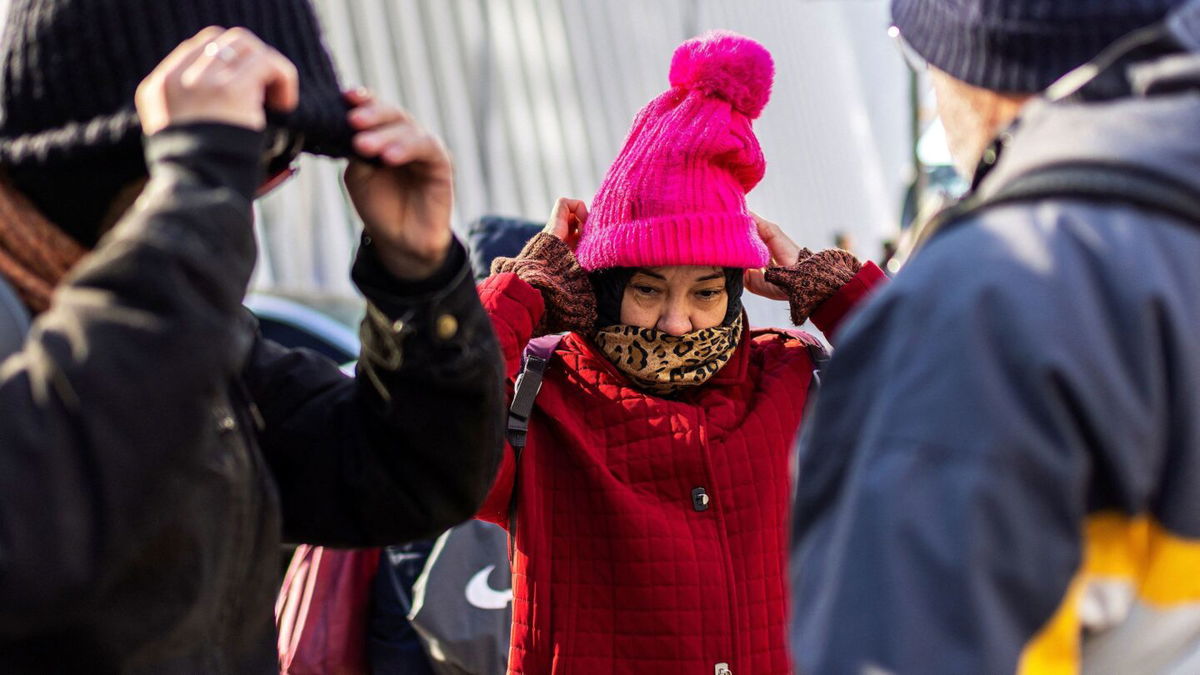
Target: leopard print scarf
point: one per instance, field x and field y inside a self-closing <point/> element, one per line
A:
<point x="665" y="364"/>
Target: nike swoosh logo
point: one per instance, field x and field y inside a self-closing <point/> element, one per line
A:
<point x="483" y="596"/>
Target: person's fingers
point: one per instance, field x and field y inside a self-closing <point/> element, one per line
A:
<point x="369" y="144"/>
<point x="215" y="53"/>
<point x="374" y="142"/>
<point x="190" y="49"/>
<point x="282" y="82"/>
<point x="579" y="209"/>
<point x="395" y="154"/>
<point x="397" y="126"/>
<point x="219" y="58"/>
<point x="579" y="216"/>
<point x="372" y="115"/>
<point x="559" y="222"/>
<point x="241" y="39"/>
<point x="783" y="250"/>
<point x="181" y="58"/>
<point x="415" y="145"/>
<point x="358" y="96"/>
<point x="761" y="287"/>
<point x="756" y="282"/>
<point x="263" y="67"/>
<point x="149" y="98"/>
<point x="562" y="218"/>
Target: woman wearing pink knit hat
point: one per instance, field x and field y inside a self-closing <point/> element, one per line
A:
<point x="649" y="507"/>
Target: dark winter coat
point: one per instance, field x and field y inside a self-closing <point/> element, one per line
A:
<point x="1001" y="473"/>
<point x="155" y="450"/>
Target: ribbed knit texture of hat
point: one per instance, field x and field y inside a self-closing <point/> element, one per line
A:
<point x="69" y="70"/>
<point x="676" y="194"/>
<point x="1018" y="46"/>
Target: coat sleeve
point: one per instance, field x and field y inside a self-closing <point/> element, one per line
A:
<point x="108" y="398"/>
<point x="410" y="446"/>
<point x="515" y="309"/>
<point x="944" y="478"/>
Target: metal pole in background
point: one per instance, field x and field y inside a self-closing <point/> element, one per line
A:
<point x="920" y="180"/>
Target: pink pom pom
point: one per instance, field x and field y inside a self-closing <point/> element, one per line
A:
<point x="727" y="65"/>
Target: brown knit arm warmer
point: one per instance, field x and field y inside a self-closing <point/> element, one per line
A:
<point x="547" y="264"/>
<point x="814" y="279"/>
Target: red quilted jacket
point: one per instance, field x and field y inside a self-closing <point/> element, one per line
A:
<point x="651" y="532"/>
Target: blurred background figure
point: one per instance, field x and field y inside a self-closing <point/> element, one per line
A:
<point x="887" y="260"/>
<point x="843" y="240"/>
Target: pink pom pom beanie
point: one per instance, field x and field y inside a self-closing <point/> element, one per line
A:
<point x="676" y="195"/>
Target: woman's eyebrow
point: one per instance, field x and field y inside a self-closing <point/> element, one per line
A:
<point x="643" y="270"/>
<point x="710" y="277"/>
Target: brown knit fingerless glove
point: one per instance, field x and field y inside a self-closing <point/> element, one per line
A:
<point x="814" y="279"/>
<point x="547" y="264"/>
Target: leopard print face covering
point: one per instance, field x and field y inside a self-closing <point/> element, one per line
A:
<point x="664" y="364"/>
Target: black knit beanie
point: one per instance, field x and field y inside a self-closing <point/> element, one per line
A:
<point x="1018" y="46"/>
<point x="69" y="70"/>
<point x="609" y="287"/>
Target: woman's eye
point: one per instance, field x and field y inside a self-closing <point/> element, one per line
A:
<point x="645" y="290"/>
<point x="711" y="294"/>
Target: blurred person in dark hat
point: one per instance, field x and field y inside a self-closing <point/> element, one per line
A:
<point x="154" y="448"/>
<point x="1008" y="480"/>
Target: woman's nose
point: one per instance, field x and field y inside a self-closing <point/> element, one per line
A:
<point x="675" y="321"/>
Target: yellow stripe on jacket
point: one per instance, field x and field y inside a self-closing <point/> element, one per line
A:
<point x="1132" y="568"/>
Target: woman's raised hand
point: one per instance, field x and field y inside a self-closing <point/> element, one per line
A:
<point x="566" y="220"/>
<point x="784" y="253"/>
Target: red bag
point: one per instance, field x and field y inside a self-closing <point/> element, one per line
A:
<point x="321" y="612"/>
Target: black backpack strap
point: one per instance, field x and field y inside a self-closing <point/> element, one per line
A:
<point x="1107" y="183"/>
<point x="1095" y="182"/>
<point x="525" y="390"/>
<point x="819" y="357"/>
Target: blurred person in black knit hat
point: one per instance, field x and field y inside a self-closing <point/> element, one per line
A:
<point x="155" y="450"/>
<point x="1007" y="481"/>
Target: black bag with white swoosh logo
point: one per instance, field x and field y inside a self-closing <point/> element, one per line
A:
<point x="462" y="602"/>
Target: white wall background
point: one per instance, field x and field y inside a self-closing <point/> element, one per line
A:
<point x="534" y="98"/>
